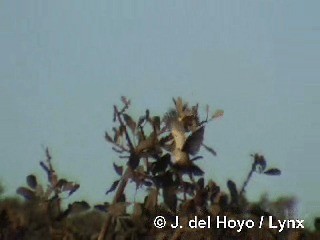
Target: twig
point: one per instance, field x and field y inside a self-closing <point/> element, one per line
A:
<point x="124" y="127"/>
<point x="120" y="190"/>
<point x="124" y="180"/>
<point x="247" y="181"/>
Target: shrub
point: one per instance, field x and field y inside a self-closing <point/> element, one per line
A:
<point x="159" y="155"/>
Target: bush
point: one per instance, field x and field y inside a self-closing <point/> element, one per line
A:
<point x="160" y="155"/>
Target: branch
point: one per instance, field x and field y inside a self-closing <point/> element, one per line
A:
<point x="124" y="127"/>
<point x="246" y="182"/>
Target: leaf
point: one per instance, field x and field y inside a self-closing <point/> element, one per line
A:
<point x="125" y="101"/>
<point x="214" y="190"/>
<point x="147" y="114"/>
<point x="102" y="207"/>
<point x="117" y="135"/>
<point x="45" y="168"/>
<point x="165" y="139"/>
<point x="108" y="137"/>
<point x="188" y="169"/>
<point x="260" y="162"/>
<point x="68" y="186"/>
<point x="194" y="141"/>
<point x="48" y="193"/>
<point x="118" y="169"/>
<point x="79" y="206"/>
<point x="273" y="172"/>
<point x="134" y="160"/>
<point x="48" y="155"/>
<point x="188" y="188"/>
<point x="137" y="211"/>
<point x="164" y="179"/>
<point x="114" y="115"/>
<point x="60" y="183"/>
<point x="129" y="122"/>
<point x="161" y="164"/>
<point x="54" y="208"/>
<point x="170" y="197"/>
<point x="218" y="113"/>
<point x="156" y="122"/>
<point x="209" y="149"/>
<point x="122" y="198"/>
<point x="74" y="208"/>
<point x="117" y="209"/>
<point x="75" y="188"/>
<point x="223" y="201"/>
<point x="64" y="214"/>
<point x="117" y="150"/>
<point x="151" y="200"/>
<point x="141" y="121"/>
<point x="39" y="191"/>
<point x="147" y="183"/>
<point x="196" y="170"/>
<point x="65" y="185"/>
<point x="26" y="193"/>
<point x="32" y="181"/>
<point x="174" y="101"/>
<point x="233" y="191"/>
<point x="113" y="186"/>
<point x="179" y="105"/>
<point x="53" y="178"/>
<point x="196" y="158"/>
<point x="200" y="183"/>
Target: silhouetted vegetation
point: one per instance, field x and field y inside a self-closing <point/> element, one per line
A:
<point x="158" y="155"/>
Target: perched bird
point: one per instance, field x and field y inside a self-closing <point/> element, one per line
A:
<point x="147" y="146"/>
<point x="187" y="116"/>
<point x="187" y="134"/>
<point x="184" y="146"/>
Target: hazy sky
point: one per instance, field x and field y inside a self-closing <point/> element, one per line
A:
<point x="63" y="65"/>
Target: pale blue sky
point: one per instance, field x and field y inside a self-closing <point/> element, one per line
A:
<point x="63" y="64"/>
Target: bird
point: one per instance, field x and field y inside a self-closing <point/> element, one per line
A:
<point x="187" y="134"/>
<point x="184" y="146"/>
<point x="186" y="115"/>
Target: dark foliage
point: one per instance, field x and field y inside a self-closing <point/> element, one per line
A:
<point x="160" y="154"/>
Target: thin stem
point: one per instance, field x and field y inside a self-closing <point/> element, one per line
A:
<point x="120" y="190"/>
<point x="247" y="181"/>
<point x="124" y="127"/>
